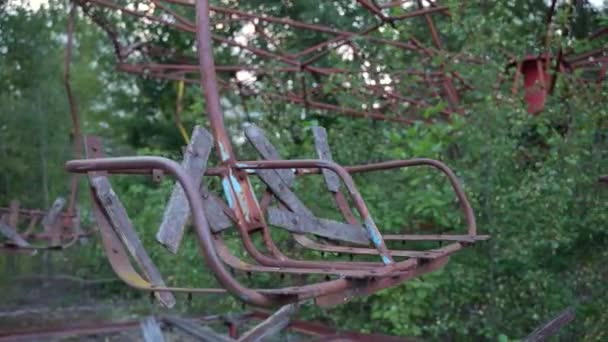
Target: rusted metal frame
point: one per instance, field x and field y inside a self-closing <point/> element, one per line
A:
<point x="356" y="271"/>
<point x="426" y="254"/>
<point x="344" y="35"/>
<point x="289" y="294"/>
<point x="419" y="12"/>
<point x="192" y="327"/>
<point x="307" y="26"/>
<point x="268" y="39"/>
<point x="74" y="115"/>
<point x="174" y="14"/>
<point x="116" y="250"/>
<point x="203" y="232"/>
<point x="117" y="217"/>
<point x="268" y="152"/>
<point x="583" y="56"/>
<point x="394" y="3"/>
<point x="34" y="212"/>
<point x="270" y="55"/>
<point x="331" y="179"/>
<point x="280" y="261"/>
<point x="293" y="98"/>
<point x="368" y="222"/>
<point x="382" y="283"/>
<point x="293" y="219"/>
<point x="323" y="331"/>
<point x="54" y="220"/>
<point x="172" y="69"/>
<point x="432" y="28"/>
<point x="417" y="103"/>
<point x="458" y="190"/>
<point x="208" y="248"/>
<point x="318" y="105"/>
<point x="373" y="9"/>
<point x="271" y="325"/>
<point x="334" y="108"/>
<point x="67" y="331"/>
<point x="112" y="5"/>
<point x="339" y="41"/>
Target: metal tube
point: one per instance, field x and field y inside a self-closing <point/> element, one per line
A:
<point x="200" y="222"/>
<point x="368" y="222"/>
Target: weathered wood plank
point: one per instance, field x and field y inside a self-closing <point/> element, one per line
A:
<point x="117" y="215"/>
<point x="321" y="227"/>
<point x="321" y="145"/>
<point x="177" y="212"/>
<point x="52" y="223"/>
<point x="51" y="216"/>
<point x="214" y="211"/>
<point x="11" y="234"/>
<point x="200" y="332"/>
<point x="550" y="328"/>
<point x="256" y="137"/>
<point x="280" y="184"/>
<point x="283" y="193"/>
<point x="271" y="325"/>
<point x="150" y="330"/>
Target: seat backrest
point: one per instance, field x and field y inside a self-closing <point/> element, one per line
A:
<point x="298" y="218"/>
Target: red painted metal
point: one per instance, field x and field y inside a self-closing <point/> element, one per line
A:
<point x="536" y="81"/>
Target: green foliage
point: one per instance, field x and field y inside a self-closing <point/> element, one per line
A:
<point x="531" y="179"/>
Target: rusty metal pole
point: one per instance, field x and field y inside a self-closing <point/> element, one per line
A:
<point x="74" y="115"/>
<point x="236" y="185"/>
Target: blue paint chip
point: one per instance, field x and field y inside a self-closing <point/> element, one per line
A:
<point x="228" y="192"/>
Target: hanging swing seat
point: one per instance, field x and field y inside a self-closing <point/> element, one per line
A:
<point x="213" y="218"/>
<point x="27" y="230"/>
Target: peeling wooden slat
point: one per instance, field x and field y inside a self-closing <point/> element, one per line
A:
<point x="271" y="325"/>
<point x="256" y="137"/>
<point x="52" y="223"/>
<point x="177" y="212"/>
<point x="214" y="211"/>
<point x="198" y="331"/>
<point x="280" y="184"/>
<point x="321" y="227"/>
<point x="321" y="145"/>
<point x="150" y="330"/>
<point x="283" y="193"/>
<point x="123" y="227"/>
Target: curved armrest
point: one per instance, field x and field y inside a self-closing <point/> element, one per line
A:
<point x="200" y="223"/>
<point x="368" y="222"/>
<point x="462" y="197"/>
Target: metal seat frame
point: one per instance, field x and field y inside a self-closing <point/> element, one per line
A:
<point x="354" y="278"/>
